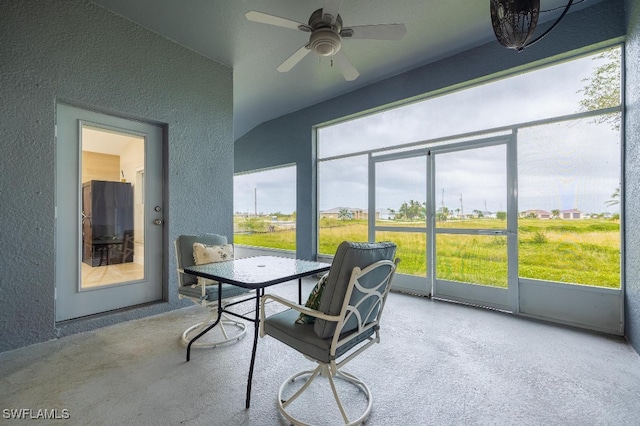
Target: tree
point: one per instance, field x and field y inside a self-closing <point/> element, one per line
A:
<point x="501" y="215"/>
<point x="615" y="198"/>
<point x="403" y="211"/>
<point x="345" y="214"/>
<point x="555" y="213"/>
<point x="443" y="214"/>
<point x="602" y="89"/>
<point x="411" y="210"/>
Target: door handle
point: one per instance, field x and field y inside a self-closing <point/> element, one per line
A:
<point x="492" y="232"/>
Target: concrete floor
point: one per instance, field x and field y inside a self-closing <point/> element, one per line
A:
<point x="438" y="364"/>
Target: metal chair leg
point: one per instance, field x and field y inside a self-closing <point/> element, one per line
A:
<point x="319" y="371"/>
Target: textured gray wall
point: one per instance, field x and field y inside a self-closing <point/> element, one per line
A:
<point x="77" y="52"/>
<point x="632" y="175"/>
<point x="289" y="139"/>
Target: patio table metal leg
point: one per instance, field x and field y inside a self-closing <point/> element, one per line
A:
<point x="206" y="330"/>
<point x="255" y="345"/>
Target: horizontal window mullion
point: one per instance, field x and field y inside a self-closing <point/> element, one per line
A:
<point x="401" y="229"/>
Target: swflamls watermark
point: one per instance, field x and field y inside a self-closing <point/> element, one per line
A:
<point x="35" y="414"/>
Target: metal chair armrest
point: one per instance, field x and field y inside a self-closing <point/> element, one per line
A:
<point x="292" y="305"/>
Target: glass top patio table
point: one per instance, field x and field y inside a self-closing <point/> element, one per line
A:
<point x="259" y="271"/>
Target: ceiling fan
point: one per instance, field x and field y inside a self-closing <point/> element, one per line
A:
<point x="327" y="34"/>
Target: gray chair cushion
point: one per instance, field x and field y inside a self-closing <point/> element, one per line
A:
<point x="302" y="337"/>
<point x="349" y="255"/>
<point x="184" y="253"/>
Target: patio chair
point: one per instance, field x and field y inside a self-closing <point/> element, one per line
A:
<point x="125" y="250"/>
<point x="347" y="322"/>
<point x="205" y="292"/>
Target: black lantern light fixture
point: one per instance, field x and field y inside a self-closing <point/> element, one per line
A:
<point x="514" y="22"/>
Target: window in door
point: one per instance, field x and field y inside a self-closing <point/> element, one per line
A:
<point x="471" y="199"/>
<point x="111" y="219"/>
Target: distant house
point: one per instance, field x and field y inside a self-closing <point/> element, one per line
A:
<point x="356" y="213"/>
<point x="571" y="214"/>
<point x="538" y="214"/>
<point x="334" y="213"/>
<point x="365" y="214"/>
<point x="385" y="214"/>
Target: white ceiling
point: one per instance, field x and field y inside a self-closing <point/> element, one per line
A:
<point x="219" y="30"/>
<point x="107" y="142"/>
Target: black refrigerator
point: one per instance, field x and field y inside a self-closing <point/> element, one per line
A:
<point x="107" y="222"/>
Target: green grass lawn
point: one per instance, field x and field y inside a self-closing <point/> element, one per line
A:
<point x="581" y="252"/>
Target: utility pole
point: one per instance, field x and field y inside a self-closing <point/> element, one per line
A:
<point x="255" y="201"/>
<point x="461" y="209"/>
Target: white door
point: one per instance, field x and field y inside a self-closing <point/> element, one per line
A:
<point x="453" y="209"/>
<point x="109" y="213"/>
<point x="474" y="224"/>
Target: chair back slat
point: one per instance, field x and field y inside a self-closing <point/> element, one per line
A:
<point x="341" y="280"/>
<point x="366" y="310"/>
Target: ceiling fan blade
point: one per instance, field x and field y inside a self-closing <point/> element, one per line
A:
<point x="264" y="18"/>
<point x="292" y="60"/>
<point x="331" y="8"/>
<point x="348" y="70"/>
<point x="375" y="32"/>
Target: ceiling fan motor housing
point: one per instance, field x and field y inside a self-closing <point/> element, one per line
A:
<point x="325" y="39"/>
<point x="514" y="21"/>
<point x="325" y="42"/>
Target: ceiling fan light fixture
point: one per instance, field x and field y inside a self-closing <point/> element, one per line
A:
<point x="325" y="42"/>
